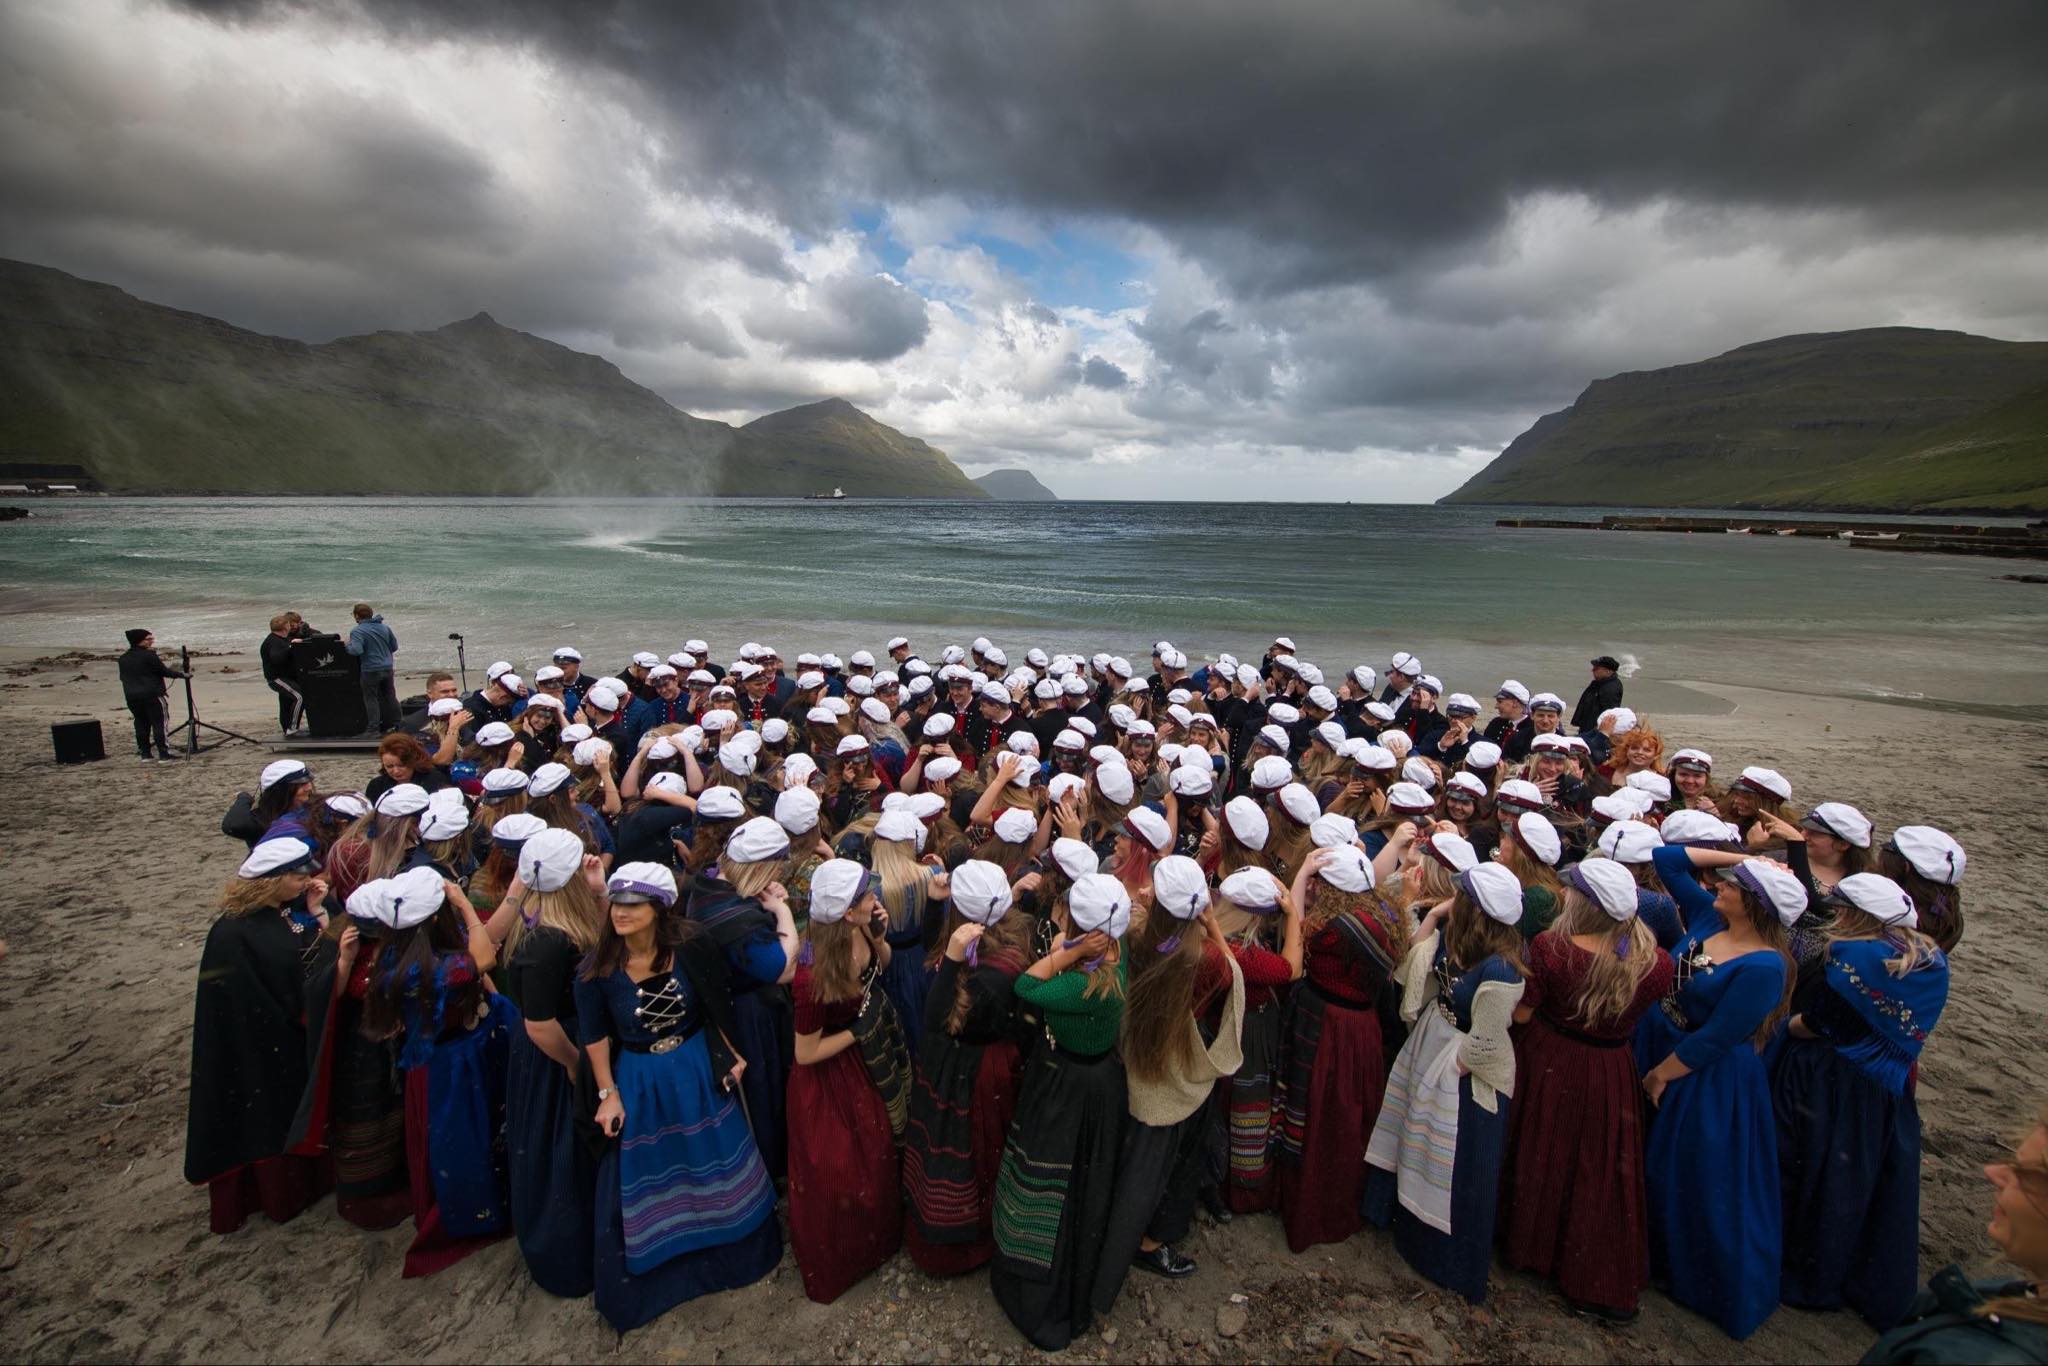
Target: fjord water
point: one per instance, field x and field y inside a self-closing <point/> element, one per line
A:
<point x="1351" y="583"/>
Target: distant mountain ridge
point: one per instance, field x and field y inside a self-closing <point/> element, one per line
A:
<point x="1892" y="419"/>
<point x="153" y="399"/>
<point x="1015" y="486"/>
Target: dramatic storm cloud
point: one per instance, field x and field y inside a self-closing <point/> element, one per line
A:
<point x="1147" y="249"/>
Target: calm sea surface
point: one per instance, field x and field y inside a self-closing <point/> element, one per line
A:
<point x="1350" y="583"/>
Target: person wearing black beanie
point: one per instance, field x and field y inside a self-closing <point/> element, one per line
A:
<point x="144" y="680"/>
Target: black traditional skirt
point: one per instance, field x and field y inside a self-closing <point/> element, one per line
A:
<point x="1053" y="1194"/>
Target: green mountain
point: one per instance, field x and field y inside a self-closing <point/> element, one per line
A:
<point x="1893" y="419"/>
<point x="1016" y="486"/>
<point x="820" y="446"/>
<point x="156" y="400"/>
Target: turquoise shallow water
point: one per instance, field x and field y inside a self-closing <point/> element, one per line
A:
<point x="1349" y="582"/>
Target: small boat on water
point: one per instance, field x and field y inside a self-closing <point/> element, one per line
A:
<point x="1870" y="535"/>
<point x="836" y="492"/>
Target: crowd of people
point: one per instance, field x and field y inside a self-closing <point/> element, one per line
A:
<point x="1019" y="964"/>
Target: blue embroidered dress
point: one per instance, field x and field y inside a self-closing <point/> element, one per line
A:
<point x="1849" y="1132"/>
<point x="1712" y="1161"/>
<point x="684" y="1204"/>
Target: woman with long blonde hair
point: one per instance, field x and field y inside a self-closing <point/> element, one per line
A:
<point x="1289" y="811"/>
<point x="1711" y="1164"/>
<point x="249" y="1038"/>
<point x="1171" y="1068"/>
<point x="909" y="890"/>
<point x="1848" y="1121"/>
<point x="1240" y="840"/>
<point x="1530" y="848"/>
<point x="1333" y="1073"/>
<point x="382" y="846"/>
<point x="1439" y="1141"/>
<point x="1569" y="1210"/>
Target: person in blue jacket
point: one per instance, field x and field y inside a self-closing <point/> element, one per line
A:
<point x="1712" y="1163"/>
<point x="376" y="646"/>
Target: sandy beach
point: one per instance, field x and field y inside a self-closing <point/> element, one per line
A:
<point x="108" y="879"/>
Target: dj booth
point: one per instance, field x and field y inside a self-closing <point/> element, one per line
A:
<point x="331" y="679"/>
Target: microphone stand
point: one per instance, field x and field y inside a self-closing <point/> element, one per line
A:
<point x="461" y="660"/>
<point x="192" y="725"/>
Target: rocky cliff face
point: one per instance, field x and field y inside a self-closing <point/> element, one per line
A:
<point x="1885" y="418"/>
<point x="153" y="399"/>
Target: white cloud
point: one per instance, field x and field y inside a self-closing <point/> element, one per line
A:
<point x="307" y="175"/>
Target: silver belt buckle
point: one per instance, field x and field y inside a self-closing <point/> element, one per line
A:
<point x="667" y="1043"/>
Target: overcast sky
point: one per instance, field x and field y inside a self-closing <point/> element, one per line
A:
<point x="1171" y="249"/>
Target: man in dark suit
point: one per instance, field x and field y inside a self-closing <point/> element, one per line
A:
<point x="1601" y="694"/>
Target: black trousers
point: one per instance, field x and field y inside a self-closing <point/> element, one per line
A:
<point x="291" y="705"/>
<point x="149" y="724"/>
<point x="380" y="700"/>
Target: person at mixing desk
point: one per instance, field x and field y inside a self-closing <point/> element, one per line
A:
<point x="144" y="680"/>
<point x="286" y="630"/>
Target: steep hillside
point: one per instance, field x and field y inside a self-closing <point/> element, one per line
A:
<point x="815" y="447"/>
<point x="1888" y="419"/>
<point x="157" y="400"/>
<point x="1016" y="486"/>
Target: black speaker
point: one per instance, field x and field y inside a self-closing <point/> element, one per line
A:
<point x="331" y="679"/>
<point x="78" y="742"/>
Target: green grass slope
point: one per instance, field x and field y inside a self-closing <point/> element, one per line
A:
<point x="157" y="400"/>
<point x="1890" y="419"/>
<point x="819" y="446"/>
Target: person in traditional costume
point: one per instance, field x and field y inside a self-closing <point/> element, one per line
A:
<point x="1170" y="1072"/>
<point x="912" y="893"/>
<point x="1262" y="934"/>
<point x="1716" y="1234"/>
<point x="1929" y="864"/>
<point x="849" y="1093"/>
<point x="684" y="1203"/>
<point x="428" y="996"/>
<point x="1333" y="1065"/>
<point x="249" y="1067"/>
<point x="1573" y="1204"/>
<point x="1059" y="1167"/>
<point x="1848" y="1120"/>
<point x="967" y="1076"/>
<point x="559" y="914"/>
<point x="1436" y="1150"/>
<point x="741" y="903"/>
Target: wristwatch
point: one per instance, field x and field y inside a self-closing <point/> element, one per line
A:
<point x="604" y="1093"/>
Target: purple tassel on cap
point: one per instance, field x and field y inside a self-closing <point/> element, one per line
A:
<point x="1169" y="945"/>
<point x="973" y="959"/>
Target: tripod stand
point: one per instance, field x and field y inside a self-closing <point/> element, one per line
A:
<point x="192" y="725"/>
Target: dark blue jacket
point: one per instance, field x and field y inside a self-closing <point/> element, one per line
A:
<point x="374" y="642"/>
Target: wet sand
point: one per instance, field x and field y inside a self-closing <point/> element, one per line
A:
<point x="108" y="876"/>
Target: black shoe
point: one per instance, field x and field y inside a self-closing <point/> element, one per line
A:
<point x="166" y="754"/>
<point x="146" y="757"/>
<point x="1615" y="1317"/>
<point x="1164" y="1261"/>
<point x="1212" y="1201"/>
